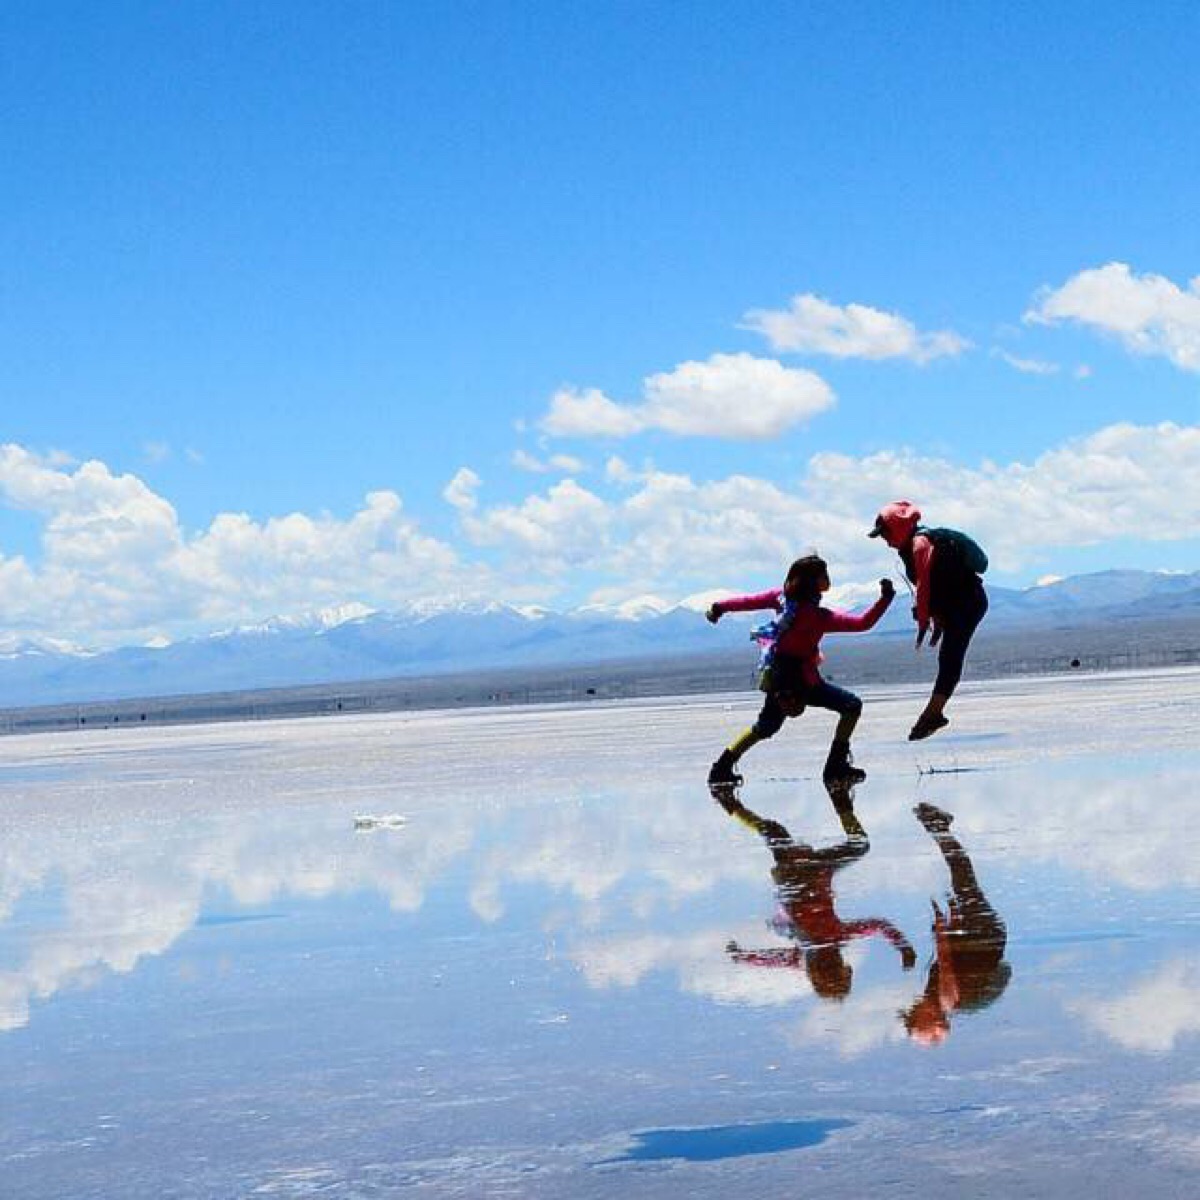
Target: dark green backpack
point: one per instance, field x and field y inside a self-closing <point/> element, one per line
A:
<point x="958" y="548"/>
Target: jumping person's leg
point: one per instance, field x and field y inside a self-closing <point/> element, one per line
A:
<point x="957" y="631"/>
<point x="952" y="654"/>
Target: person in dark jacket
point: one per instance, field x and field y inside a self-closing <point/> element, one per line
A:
<point x="950" y="599"/>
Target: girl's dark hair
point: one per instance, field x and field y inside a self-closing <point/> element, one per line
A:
<point x="804" y="576"/>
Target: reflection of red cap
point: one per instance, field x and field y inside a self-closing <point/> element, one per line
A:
<point x="929" y="1035"/>
<point x="896" y="522"/>
<point x="927" y="1022"/>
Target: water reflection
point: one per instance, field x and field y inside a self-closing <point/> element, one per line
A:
<point x="110" y="867"/>
<point x="807" y="916"/>
<point x="968" y="971"/>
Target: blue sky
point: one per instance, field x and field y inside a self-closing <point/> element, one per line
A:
<point x="263" y="262"/>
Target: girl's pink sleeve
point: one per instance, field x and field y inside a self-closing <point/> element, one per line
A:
<point x="922" y="564"/>
<point x="768" y="958"/>
<point x="836" y="621"/>
<point x="771" y="599"/>
<point x="869" y="926"/>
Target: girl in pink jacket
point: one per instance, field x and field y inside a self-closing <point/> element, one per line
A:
<point x="792" y="678"/>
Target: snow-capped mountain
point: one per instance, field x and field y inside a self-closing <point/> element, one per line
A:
<point x="12" y="646"/>
<point x="351" y="642"/>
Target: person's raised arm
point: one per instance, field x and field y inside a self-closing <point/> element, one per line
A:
<point x="864" y="928"/>
<point x="836" y="621"/>
<point x="753" y="603"/>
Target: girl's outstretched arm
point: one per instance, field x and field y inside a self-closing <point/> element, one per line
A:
<point x="753" y="603"/>
<point x="774" y="957"/>
<point x="864" y="928"/>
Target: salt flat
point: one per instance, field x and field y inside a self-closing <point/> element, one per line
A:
<point x="564" y="972"/>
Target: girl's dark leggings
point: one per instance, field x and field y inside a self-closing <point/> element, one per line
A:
<point x="823" y="695"/>
<point x="958" y="627"/>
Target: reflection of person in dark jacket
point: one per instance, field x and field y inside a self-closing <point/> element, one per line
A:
<point x="804" y="876"/>
<point x="968" y="971"/>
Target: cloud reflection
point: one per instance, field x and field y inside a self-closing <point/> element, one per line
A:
<point x="128" y="893"/>
<point x="1155" y="1014"/>
<point x="94" y="881"/>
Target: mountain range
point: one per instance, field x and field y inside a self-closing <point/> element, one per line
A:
<point x="353" y="643"/>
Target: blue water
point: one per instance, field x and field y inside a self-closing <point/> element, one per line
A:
<point x="727" y="1141"/>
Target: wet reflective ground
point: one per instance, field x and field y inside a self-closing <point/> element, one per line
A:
<point x="552" y="964"/>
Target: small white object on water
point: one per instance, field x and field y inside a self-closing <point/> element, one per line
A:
<point x="387" y="821"/>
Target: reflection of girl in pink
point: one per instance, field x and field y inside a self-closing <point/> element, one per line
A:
<point x="804" y="878"/>
<point x="968" y="971"/>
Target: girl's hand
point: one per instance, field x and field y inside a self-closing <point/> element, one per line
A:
<point x="713" y="615"/>
<point x="887" y="589"/>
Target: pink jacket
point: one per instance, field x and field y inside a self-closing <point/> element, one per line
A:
<point x="897" y="521"/>
<point x="812" y="623"/>
<point x="844" y="931"/>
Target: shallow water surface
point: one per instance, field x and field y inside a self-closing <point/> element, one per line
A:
<point x="570" y="970"/>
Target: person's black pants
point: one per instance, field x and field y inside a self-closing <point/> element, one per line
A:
<point x="958" y="626"/>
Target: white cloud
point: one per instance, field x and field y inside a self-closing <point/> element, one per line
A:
<point x="588" y="414"/>
<point x="671" y="534"/>
<point x="116" y="564"/>
<point x="736" y="396"/>
<point x="565" y="527"/>
<point x="1149" y="314"/>
<point x="527" y="462"/>
<point x="1027" y="366"/>
<point x="565" y="463"/>
<point x="812" y="325"/>
<point x="617" y="470"/>
<point x="460" y="491"/>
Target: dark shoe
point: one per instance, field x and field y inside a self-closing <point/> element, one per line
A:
<point x="927" y="727"/>
<point x="722" y="773"/>
<point x="840" y="768"/>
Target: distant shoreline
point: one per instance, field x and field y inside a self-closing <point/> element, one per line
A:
<point x="1006" y="652"/>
